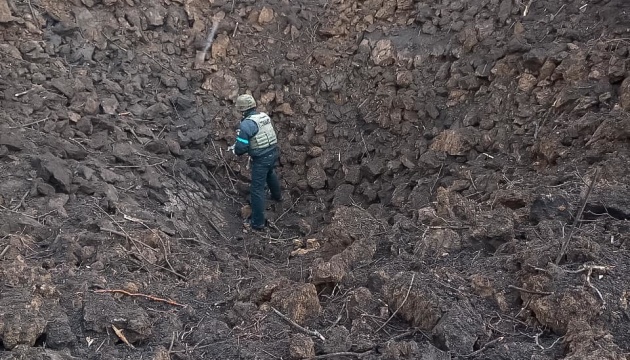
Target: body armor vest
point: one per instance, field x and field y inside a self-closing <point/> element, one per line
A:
<point x="266" y="135"/>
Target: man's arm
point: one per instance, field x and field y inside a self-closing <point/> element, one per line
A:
<point x="247" y="131"/>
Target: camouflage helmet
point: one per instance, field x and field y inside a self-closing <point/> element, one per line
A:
<point x="245" y="102"/>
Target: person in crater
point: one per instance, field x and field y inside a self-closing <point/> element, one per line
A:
<point x="256" y="136"/>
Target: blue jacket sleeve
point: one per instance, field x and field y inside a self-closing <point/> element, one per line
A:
<point x="248" y="130"/>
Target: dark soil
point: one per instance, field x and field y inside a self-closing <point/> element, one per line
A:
<point x="435" y="156"/>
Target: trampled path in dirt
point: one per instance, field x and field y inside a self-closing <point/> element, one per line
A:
<point x="435" y="155"/>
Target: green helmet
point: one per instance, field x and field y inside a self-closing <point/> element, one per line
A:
<point x="245" y="102"/>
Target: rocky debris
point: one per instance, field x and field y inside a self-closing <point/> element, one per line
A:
<point x="438" y="242"/>
<point x="20" y="319"/>
<point x="590" y="343"/>
<point x="550" y="207"/>
<point x="266" y="16"/>
<point x="459" y="328"/>
<point x="58" y="332"/>
<point x="297" y="301"/>
<point x="337" y="340"/>
<point x="454" y="142"/>
<point x="5" y="12"/>
<point x="155" y="15"/>
<point x="559" y="310"/>
<point x="421" y="308"/>
<point x="12" y="141"/>
<point x="453" y="205"/>
<point x="222" y="84"/>
<point x="348" y="226"/>
<point x="301" y="347"/>
<point x="361" y="301"/>
<point x="109" y="105"/>
<point x="493" y="228"/>
<point x="609" y="200"/>
<point x="25" y="352"/>
<point x="101" y="311"/>
<point x="316" y="177"/>
<point x="377" y="106"/>
<point x="54" y="171"/>
<point x="383" y="53"/>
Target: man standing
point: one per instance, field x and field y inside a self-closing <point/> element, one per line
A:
<point x="257" y="137"/>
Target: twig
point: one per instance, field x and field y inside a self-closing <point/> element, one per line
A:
<point x="21" y="213"/>
<point x="588" y="282"/>
<point x="346" y="353"/>
<point x="289" y="209"/>
<point x="526" y="11"/>
<point x="448" y="227"/>
<point x="121" y="336"/>
<point x="295" y="325"/>
<point x="235" y="28"/>
<point x="159" y="63"/>
<point x="362" y="354"/>
<point x="30" y="6"/>
<point x="118" y="46"/>
<point x="558" y="12"/>
<point x="228" y="169"/>
<point x="483" y="348"/>
<point x="530" y="291"/>
<point x="29" y="124"/>
<point x="19" y="205"/>
<point x="139" y="166"/>
<point x="413" y="277"/>
<point x="5" y="251"/>
<point x="338" y="317"/>
<point x="23" y="93"/>
<point x="436" y="179"/>
<point x="576" y="221"/>
<point x="150" y="297"/>
<point x="170" y="348"/>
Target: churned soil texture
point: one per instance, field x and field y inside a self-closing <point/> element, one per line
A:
<point x="436" y="156"/>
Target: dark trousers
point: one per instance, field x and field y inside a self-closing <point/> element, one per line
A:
<point x="263" y="172"/>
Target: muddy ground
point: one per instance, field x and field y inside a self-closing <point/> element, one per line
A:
<point x="436" y="155"/>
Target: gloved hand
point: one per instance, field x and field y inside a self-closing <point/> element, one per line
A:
<point x="231" y="148"/>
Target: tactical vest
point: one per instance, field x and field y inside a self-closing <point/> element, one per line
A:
<point x="266" y="135"/>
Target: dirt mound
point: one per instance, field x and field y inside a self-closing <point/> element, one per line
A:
<point x="436" y="156"/>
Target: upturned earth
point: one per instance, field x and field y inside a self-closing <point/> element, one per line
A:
<point x="435" y="157"/>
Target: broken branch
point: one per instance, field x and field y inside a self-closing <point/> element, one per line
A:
<point x="297" y="326"/>
<point x="201" y="55"/>
<point x="150" y="297"/>
<point x="576" y="221"/>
